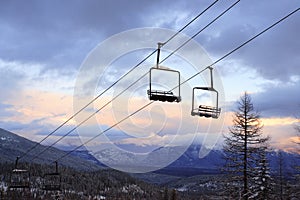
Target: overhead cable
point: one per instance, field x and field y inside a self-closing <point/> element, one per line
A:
<point x="98" y="110"/>
<point x="196" y="74"/>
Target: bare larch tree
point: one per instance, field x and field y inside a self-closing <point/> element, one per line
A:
<point x="242" y="148"/>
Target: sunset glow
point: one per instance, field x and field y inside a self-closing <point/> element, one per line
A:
<point x="41" y="63"/>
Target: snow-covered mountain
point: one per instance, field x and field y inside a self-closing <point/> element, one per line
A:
<point x="12" y="145"/>
<point x="189" y="163"/>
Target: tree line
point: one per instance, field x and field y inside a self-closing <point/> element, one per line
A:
<point x="246" y="165"/>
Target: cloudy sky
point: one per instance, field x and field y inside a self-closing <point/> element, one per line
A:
<point x="43" y="45"/>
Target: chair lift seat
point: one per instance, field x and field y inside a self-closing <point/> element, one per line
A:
<point x="52" y="182"/>
<point x="159" y="95"/>
<point x="19" y="178"/>
<point x="209" y="111"/>
<point x="203" y="110"/>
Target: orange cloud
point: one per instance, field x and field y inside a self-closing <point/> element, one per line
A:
<point x="295" y="139"/>
<point x="278" y="121"/>
<point x="281" y="131"/>
<point x="56" y="108"/>
<point x="33" y="104"/>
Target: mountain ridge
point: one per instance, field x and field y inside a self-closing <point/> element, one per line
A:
<point x="13" y="145"/>
<point x="188" y="163"/>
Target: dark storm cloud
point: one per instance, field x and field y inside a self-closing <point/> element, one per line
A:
<point x="274" y="101"/>
<point x="40" y="125"/>
<point x="274" y="55"/>
<point x="12" y="126"/>
<point x="5" y="110"/>
<point x="281" y="101"/>
<point x="10" y="82"/>
<point x="53" y="31"/>
<point x="61" y="33"/>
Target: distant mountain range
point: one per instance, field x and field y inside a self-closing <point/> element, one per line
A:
<point x="191" y="164"/>
<point x="188" y="164"/>
<point x="12" y="145"/>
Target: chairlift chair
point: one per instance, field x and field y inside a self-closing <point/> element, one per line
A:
<point x="205" y="110"/>
<point x="19" y="178"/>
<point x="52" y="181"/>
<point x="160" y="95"/>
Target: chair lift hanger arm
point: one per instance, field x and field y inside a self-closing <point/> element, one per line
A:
<point x="159" y="95"/>
<point x="204" y="110"/>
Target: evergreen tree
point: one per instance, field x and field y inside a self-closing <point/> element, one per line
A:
<point x="174" y="195"/>
<point x="297" y="167"/>
<point x="280" y="176"/>
<point x="262" y="187"/>
<point x="166" y="194"/>
<point x="242" y="147"/>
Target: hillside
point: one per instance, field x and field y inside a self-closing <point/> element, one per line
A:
<point x="81" y="175"/>
<point x="189" y="177"/>
<point x="12" y="145"/>
<point x="101" y="184"/>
